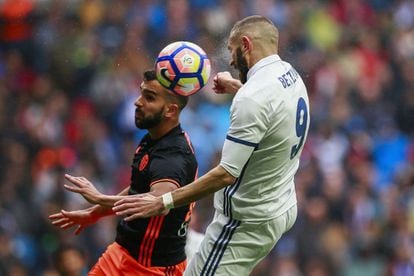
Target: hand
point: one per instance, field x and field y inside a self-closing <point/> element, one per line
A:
<point x="223" y="82"/>
<point x="83" y="187"/>
<point x="139" y="206"/>
<point x="80" y="219"/>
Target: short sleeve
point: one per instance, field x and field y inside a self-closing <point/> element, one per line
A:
<point x="247" y="128"/>
<point x="248" y="121"/>
<point x="174" y="165"/>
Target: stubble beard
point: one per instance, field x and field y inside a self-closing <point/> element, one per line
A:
<point x="241" y="64"/>
<point x="149" y="121"/>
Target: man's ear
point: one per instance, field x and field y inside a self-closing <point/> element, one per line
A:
<point x="172" y="110"/>
<point x="246" y="43"/>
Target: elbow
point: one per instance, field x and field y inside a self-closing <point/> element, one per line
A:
<point x="229" y="179"/>
<point x="226" y="178"/>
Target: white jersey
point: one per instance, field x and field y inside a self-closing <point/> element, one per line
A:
<point x="269" y="125"/>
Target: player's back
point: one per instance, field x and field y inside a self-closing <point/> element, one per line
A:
<point x="265" y="188"/>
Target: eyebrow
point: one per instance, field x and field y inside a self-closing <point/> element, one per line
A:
<point x="229" y="47"/>
<point x="148" y="91"/>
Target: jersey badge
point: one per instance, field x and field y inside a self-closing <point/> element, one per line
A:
<point x="144" y="162"/>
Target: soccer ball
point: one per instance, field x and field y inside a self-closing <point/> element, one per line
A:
<point x="183" y="68"/>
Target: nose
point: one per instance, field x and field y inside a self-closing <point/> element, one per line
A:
<point x="233" y="63"/>
<point x="138" y="101"/>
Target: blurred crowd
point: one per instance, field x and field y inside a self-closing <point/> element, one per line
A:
<point x="70" y="71"/>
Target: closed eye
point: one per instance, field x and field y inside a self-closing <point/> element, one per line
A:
<point x="149" y="95"/>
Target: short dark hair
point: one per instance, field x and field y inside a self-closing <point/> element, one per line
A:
<point x="150" y="75"/>
<point x="181" y="101"/>
<point x="256" y="26"/>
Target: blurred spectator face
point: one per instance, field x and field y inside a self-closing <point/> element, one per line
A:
<point x="70" y="262"/>
<point x="285" y="266"/>
<point x="317" y="209"/>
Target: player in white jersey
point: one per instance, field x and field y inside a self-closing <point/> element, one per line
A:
<point x="255" y="198"/>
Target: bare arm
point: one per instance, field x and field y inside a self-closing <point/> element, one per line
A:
<point x="84" y="217"/>
<point x="214" y="180"/>
<point x="105" y="208"/>
<point x="149" y="205"/>
<point x="84" y="187"/>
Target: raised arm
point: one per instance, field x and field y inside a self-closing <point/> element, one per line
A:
<point x="224" y="83"/>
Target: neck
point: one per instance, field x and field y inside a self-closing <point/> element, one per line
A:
<point x="162" y="129"/>
<point x="256" y="56"/>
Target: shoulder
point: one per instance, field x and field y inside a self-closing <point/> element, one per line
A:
<point x="257" y="92"/>
<point x="178" y="143"/>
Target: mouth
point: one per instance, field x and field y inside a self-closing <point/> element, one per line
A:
<point x="138" y="113"/>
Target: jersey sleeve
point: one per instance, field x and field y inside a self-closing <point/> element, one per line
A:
<point x="248" y="124"/>
<point x="171" y="165"/>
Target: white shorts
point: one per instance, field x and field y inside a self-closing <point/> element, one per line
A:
<point x="233" y="247"/>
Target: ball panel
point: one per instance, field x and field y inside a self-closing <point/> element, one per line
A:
<point x="205" y="72"/>
<point x="187" y="86"/>
<point x="187" y="61"/>
<point x="165" y="73"/>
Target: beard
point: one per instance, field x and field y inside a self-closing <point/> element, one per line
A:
<point x="241" y="65"/>
<point x="150" y="121"/>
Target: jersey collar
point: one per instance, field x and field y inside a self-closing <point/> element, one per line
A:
<point x="174" y="131"/>
<point x="262" y="63"/>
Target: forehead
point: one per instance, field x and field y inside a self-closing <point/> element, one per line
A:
<point x="232" y="41"/>
<point x="152" y="85"/>
<point x="230" y="44"/>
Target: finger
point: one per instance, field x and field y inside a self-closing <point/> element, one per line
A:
<point x="59" y="222"/>
<point x="67" y="225"/>
<point x="56" y="216"/>
<point x="117" y="208"/>
<point x="70" y="214"/>
<point x="73" y="179"/>
<point x="133" y="217"/>
<point x="123" y="206"/>
<point x="79" y="230"/>
<point x="122" y="212"/>
<point x="226" y="74"/>
<point x="65" y="213"/>
<point x="119" y="202"/>
<point x="124" y="201"/>
<point x="127" y="211"/>
<point x="72" y="188"/>
<point x="69" y="177"/>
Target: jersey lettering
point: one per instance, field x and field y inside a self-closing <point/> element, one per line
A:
<point x="288" y="78"/>
<point x="301" y="126"/>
